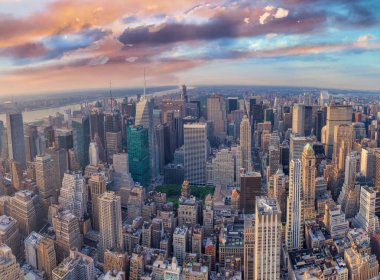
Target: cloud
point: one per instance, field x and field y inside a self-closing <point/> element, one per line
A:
<point x="223" y="25"/>
<point x="365" y="38"/>
<point x="131" y="59"/>
<point x="281" y="13"/>
<point x="264" y="17"/>
<point x="27" y="50"/>
<point x="100" y="60"/>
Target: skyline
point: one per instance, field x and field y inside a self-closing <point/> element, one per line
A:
<point x="71" y="45"/>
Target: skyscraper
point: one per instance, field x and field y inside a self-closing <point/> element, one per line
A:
<point x="366" y="218"/>
<point x="23" y="209"/>
<point x="267" y="239"/>
<point x="9" y="267"/>
<point x="250" y="188"/>
<point x="298" y="117"/>
<point x="195" y="145"/>
<point x="44" y="168"/>
<point x="40" y="253"/>
<point x="73" y="195"/>
<point x="297" y="145"/>
<point x="180" y="237"/>
<point x="67" y="233"/>
<point x="249" y="246"/>
<point x="294" y="231"/>
<point x="245" y="143"/>
<point x="16" y="143"/>
<point x="138" y="154"/>
<point x="216" y="112"/>
<point x="81" y="138"/>
<point x="97" y="187"/>
<point x="93" y="154"/>
<point x="144" y="117"/>
<point x="308" y="181"/>
<point x="342" y="144"/>
<point x="336" y="115"/>
<point x="60" y="162"/>
<point x="10" y="234"/>
<point x="110" y="223"/>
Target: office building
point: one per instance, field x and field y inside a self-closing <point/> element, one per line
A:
<point x="361" y="265"/>
<point x="138" y="154"/>
<point x="67" y="233"/>
<point x="297" y="145"/>
<point x="249" y="246"/>
<point x="245" y="144"/>
<point x="267" y="239"/>
<point x="308" y="181"/>
<point x="94" y="154"/>
<point x="335" y="220"/>
<point x="44" y="168"/>
<point x="23" y="209"/>
<point x="16" y="143"/>
<point x="136" y="268"/>
<point x="294" y="231"/>
<point x="144" y="117"/>
<point x="180" y="243"/>
<point x="40" y="253"/>
<point x="110" y="223"/>
<point x="195" y="155"/>
<point x="216" y="113"/>
<point x="173" y="270"/>
<point x="250" y="188"/>
<point x="97" y="186"/>
<point x="113" y="144"/>
<point x="10" y="235"/>
<point x="115" y="260"/>
<point x="336" y="115"/>
<point x="81" y="138"/>
<point x="60" y="165"/>
<point x="342" y="144"/>
<point x="195" y="271"/>
<point x="367" y="163"/>
<point x="9" y="267"/>
<point x="73" y="194"/>
<point x="366" y="218"/>
<point x="75" y="266"/>
<point x="223" y="174"/>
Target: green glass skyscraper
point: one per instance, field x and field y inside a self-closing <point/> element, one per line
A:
<point x="138" y="154"/>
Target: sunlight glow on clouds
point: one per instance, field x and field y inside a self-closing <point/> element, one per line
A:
<point x="53" y="40"/>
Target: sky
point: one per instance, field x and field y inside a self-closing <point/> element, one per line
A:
<point x="58" y="45"/>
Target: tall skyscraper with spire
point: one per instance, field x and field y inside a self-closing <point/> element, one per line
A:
<point x="294" y="231"/>
<point x="308" y="181"/>
<point x="245" y="143"/>
<point x="144" y="117"/>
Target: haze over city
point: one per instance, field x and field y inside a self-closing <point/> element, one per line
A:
<point x="61" y="45"/>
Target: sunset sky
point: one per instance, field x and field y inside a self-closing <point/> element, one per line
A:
<point x="55" y="45"/>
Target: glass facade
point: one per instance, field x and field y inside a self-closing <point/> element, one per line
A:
<point x="138" y="154"/>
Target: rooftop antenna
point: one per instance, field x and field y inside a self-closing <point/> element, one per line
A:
<point x="144" y="84"/>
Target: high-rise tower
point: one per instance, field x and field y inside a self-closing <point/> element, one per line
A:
<point x="308" y="181"/>
<point x="110" y="223"/>
<point x="16" y="143"/>
<point x="245" y="143"/>
<point x="294" y="232"/>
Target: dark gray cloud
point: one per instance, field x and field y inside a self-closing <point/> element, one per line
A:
<point x="229" y="25"/>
